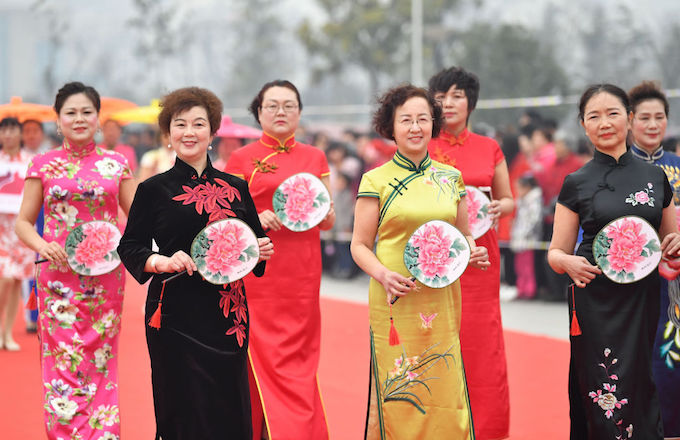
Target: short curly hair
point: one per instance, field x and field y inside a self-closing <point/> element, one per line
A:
<point x="645" y="91"/>
<point x="184" y="99"/>
<point x="256" y="103"/>
<point x="383" y="118"/>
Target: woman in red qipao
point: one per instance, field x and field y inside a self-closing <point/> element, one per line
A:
<point x="285" y="327"/>
<point x="482" y="163"/>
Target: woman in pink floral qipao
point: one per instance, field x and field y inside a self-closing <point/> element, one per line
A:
<point x="79" y="316"/>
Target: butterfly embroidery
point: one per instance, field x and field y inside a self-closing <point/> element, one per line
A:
<point x="426" y="320"/>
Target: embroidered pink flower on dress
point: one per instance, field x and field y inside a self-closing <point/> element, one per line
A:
<point x="434" y="251"/>
<point x="227" y="244"/>
<point x="299" y="199"/>
<point x="626" y="246"/>
<point x="641" y="197"/>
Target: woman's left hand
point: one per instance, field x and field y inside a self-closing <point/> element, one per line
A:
<point x="495" y="212"/>
<point x="670" y="245"/>
<point x="479" y="257"/>
<point x="266" y="248"/>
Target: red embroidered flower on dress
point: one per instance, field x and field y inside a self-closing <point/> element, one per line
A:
<point x="236" y="296"/>
<point x="211" y="198"/>
<point x="240" y="331"/>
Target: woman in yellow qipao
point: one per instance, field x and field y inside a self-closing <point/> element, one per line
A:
<point x="417" y="387"/>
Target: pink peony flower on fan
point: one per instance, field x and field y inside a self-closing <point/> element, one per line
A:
<point x="300" y="199"/>
<point x="626" y="246"/>
<point x="101" y="233"/>
<point x="90" y="251"/>
<point x="473" y="205"/>
<point x="434" y="247"/>
<point x="227" y="245"/>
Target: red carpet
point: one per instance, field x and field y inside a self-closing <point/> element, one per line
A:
<point x="537" y="371"/>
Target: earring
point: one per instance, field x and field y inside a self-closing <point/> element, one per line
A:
<point x="209" y="147"/>
<point x="58" y="131"/>
<point x="169" y="146"/>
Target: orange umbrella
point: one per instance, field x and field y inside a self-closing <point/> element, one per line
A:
<point x="25" y="111"/>
<point x="112" y="105"/>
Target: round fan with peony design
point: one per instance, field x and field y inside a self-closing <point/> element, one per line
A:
<point x="437" y="254"/>
<point x="479" y="219"/>
<point x="91" y="248"/>
<point x="225" y="251"/>
<point x="627" y="249"/>
<point x="301" y="202"/>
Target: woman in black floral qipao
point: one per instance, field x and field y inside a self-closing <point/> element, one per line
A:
<point x="198" y="347"/>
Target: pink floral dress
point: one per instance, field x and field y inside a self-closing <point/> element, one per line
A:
<point x="79" y="316"/>
<point x="16" y="259"/>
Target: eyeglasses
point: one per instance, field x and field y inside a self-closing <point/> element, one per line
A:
<point x="420" y="122"/>
<point x="274" y="108"/>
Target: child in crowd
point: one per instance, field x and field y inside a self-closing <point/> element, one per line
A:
<point x="526" y="233"/>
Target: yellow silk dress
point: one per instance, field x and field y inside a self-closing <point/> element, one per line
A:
<point x="418" y="388"/>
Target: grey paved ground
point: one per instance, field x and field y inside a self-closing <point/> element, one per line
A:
<point x="534" y="317"/>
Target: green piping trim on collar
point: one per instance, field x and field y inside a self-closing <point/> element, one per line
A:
<point x="408" y="164"/>
<point x="376" y="379"/>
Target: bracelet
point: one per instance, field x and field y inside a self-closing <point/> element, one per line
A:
<point x="152" y="263"/>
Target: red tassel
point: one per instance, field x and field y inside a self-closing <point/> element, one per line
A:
<point x="155" y="320"/>
<point x="575" y="329"/>
<point x="32" y="303"/>
<point x="394" y="336"/>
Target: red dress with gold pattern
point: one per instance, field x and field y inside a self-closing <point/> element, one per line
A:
<point x="481" y="330"/>
<point x="285" y="326"/>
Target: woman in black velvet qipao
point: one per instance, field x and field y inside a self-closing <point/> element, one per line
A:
<point x="611" y="391"/>
<point x="198" y="332"/>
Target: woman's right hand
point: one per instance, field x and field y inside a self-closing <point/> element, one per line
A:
<point x="269" y="220"/>
<point x="54" y="253"/>
<point x="179" y="262"/>
<point x="396" y="285"/>
<point x="580" y="270"/>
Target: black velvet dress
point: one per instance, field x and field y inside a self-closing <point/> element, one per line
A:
<point x="611" y="391"/>
<point x="199" y="354"/>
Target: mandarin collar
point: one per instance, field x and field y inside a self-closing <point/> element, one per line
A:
<point x="189" y="173"/>
<point x="644" y="155"/>
<point x="453" y="139"/>
<point x="408" y="164"/>
<point x="275" y="144"/>
<point x="78" y="151"/>
<point x="606" y="159"/>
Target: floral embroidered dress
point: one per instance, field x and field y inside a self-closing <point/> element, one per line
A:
<point x="611" y="391"/>
<point x="198" y="355"/>
<point x="285" y="316"/>
<point x="666" y="356"/>
<point x="16" y="259"/>
<point x="481" y="329"/>
<point x="79" y="316"/>
<point x="417" y="388"/>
